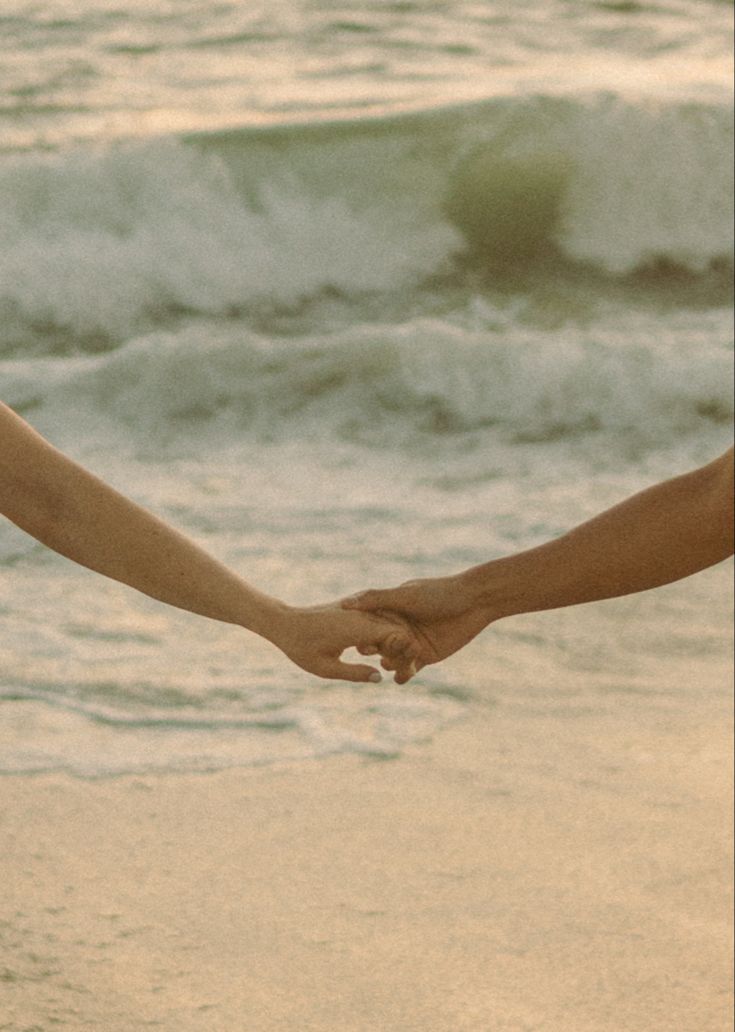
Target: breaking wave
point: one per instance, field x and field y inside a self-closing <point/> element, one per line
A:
<point x="111" y="241"/>
<point x="375" y="382"/>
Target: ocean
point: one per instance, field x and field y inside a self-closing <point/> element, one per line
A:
<point x="353" y="293"/>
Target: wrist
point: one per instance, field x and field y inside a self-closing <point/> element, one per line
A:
<point x="267" y="617"/>
<point x="486" y="592"/>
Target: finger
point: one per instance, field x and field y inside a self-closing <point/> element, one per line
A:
<point x="369" y="601"/>
<point x="368" y="650"/>
<point x="398" y="644"/>
<point x="405" y="673"/>
<point x="409" y="656"/>
<point x="336" y="670"/>
<point x="402" y="647"/>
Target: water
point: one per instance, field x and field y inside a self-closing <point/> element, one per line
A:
<point x="353" y="293"/>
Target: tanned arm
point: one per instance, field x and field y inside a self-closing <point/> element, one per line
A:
<point x="73" y="512"/>
<point x="667" y="532"/>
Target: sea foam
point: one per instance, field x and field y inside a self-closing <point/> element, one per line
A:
<point x="108" y="241"/>
<point x="427" y="376"/>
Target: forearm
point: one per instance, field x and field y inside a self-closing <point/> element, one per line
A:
<point x="663" y="534"/>
<point x="74" y="513"/>
<point x="107" y="533"/>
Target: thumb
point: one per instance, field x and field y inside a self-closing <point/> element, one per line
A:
<point x="336" y="670"/>
<point x="369" y="601"/>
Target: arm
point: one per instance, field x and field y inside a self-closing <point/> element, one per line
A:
<point x="662" y="534"/>
<point x="71" y="511"/>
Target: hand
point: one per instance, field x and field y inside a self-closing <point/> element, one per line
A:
<point x="314" y="639"/>
<point x="441" y="613"/>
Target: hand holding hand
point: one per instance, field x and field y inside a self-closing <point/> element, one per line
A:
<point x="441" y="613"/>
<point x="314" y="638"/>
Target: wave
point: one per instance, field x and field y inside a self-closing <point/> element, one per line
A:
<point x="384" y="384"/>
<point x="106" y="241"/>
<point x="49" y="724"/>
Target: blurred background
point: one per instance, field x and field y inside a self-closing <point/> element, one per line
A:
<point x="353" y="293"/>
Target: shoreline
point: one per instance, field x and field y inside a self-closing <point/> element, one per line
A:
<point x="495" y="878"/>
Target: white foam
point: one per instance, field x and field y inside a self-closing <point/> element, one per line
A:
<point x="635" y="373"/>
<point x="98" y="242"/>
<point x="109" y="241"/>
<point x="44" y="732"/>
<point x="650" y="181"/>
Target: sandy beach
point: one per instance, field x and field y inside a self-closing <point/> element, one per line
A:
<point x="353" y="294"/>
<point x="438" y="892"/>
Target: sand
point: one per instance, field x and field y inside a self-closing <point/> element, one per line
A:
<point x="501" y="877"/>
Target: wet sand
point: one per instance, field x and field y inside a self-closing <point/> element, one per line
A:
<point x="502" y="877"/>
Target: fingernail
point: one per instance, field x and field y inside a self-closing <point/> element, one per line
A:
<point x="376" y="678"/>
